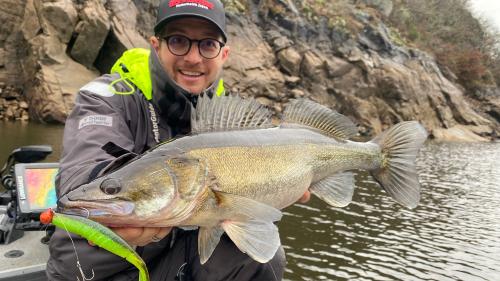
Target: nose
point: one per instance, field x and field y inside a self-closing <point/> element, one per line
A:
<point x="193" y="56"/>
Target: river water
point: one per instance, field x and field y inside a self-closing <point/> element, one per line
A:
<point x="454" y="234"/>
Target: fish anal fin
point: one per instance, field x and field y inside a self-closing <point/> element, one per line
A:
<point x="327" y="121"/>
<point x="336" y="190"/>
<point x="259" y="239"/>
<point x="208" y="239"/>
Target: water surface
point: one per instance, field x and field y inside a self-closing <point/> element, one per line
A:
<point x="454" y="234"/>
<point x="16" y="134"/>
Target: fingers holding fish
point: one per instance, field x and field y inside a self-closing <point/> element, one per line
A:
<point x="305" y="198"/>
<point x="141" y="236"/>
<point x="162" y="233"/>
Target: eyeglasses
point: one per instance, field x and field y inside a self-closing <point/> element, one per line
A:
<point x="180" y="45"/>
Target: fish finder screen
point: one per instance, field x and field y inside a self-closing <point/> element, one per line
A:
<point x="40" y="187"/>
<point x="36" y="189"/>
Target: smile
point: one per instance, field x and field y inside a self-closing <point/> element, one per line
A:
<point x="191" y="73"/>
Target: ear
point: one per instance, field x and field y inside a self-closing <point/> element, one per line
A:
<point x="226" y="50"/>
<point x="155" y="42"/>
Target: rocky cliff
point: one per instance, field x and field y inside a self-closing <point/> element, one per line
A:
<point x="353" y="63"/>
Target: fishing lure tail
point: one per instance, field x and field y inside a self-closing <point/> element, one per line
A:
<point x="99" y="235"/>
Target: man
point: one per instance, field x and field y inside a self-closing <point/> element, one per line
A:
<point x="148" y="99"/>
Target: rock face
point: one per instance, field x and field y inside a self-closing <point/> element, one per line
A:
<point x="384" y="6"/>
<point x="12" y="104"/>
<point x="51" y="48"/>
<point x="92" y="31"/>
<point x="367" y="77"/>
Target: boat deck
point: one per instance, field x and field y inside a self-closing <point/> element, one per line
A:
<point x="25" y="258"/>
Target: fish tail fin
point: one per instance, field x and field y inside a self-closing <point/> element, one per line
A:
<point x="397" y="173"/>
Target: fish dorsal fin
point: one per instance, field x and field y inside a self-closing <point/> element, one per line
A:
<point x="229" y="113"/>
<point x="329" y="122"/>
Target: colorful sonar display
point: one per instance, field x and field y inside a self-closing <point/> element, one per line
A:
<point x="40" y="187"/>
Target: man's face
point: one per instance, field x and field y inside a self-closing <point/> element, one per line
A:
<point x="192" y="71"/>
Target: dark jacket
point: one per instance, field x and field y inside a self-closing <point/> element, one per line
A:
<point x="136" y="124"/>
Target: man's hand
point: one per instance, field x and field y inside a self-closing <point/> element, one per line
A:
<point x="141" y="236"/>
<point x="305" y="198"/>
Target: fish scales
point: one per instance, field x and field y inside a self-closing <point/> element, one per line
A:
<point x="277" y="172"/>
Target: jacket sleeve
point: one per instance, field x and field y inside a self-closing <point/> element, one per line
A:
<point x="96" y="119"/>
<point x="182" y="262"/>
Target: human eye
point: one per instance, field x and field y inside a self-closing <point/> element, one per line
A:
<point x="177" y="40"/>
<point x="209" y="44"/>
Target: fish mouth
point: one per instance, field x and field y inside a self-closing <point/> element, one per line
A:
<point x="95" y="208"/>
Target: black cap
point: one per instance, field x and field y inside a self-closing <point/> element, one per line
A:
<point x="211" y="10"/>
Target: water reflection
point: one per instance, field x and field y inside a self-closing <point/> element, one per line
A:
<point x="453" y="234"/>
<point x="16" y="134"/>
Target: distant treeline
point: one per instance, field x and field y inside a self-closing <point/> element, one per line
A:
<point x="467" y="46"/>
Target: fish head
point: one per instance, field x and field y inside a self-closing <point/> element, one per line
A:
<point x="138" y="193"/>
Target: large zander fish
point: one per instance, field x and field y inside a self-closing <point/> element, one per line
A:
<point x="237" y="170"/>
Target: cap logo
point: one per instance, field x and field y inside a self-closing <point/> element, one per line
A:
<point x="196" y="3"/>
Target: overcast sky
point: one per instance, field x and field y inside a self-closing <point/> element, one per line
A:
<point x="489" y="9"/>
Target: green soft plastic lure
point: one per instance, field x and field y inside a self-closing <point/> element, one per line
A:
<point x="99" y="235"/>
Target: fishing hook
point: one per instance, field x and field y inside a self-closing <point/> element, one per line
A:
<point x="83" y="274"/>
<point x="88" y="212"/>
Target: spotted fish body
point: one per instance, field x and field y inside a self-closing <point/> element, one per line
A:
<point x="237" y="170"/>
<point x="277" y="173"/>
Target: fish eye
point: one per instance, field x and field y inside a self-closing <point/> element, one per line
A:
<point x="111" y="186"/>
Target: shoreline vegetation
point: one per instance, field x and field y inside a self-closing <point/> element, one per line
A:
<point x="467" y="46"/>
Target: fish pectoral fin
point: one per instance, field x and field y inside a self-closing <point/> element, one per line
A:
<point x="237" y="205"/>
<point x="336" y="190"/>
<point x="259" y="239"/>
<point x="251" y="226"/>
<point x="208" y="238"/>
